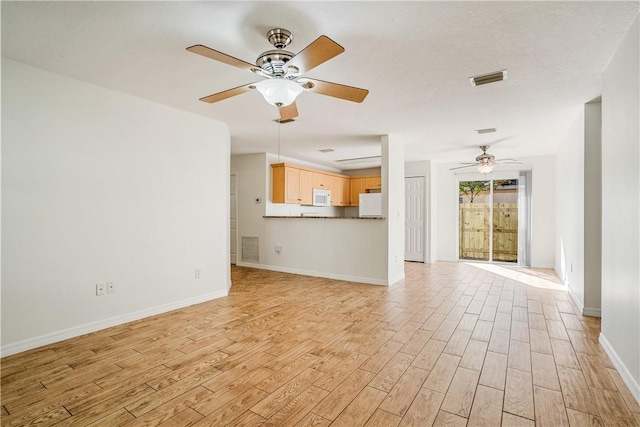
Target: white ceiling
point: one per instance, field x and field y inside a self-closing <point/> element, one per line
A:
<point x="414" y="57"/>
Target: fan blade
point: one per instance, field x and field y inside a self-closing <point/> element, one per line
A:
<point x="320" y="50"/>
<point x="288" y="112"/>
<point x="512" y="161"/>
<point x="463" y="167"/>
<point x="222" y="57"/>
<point x="227" y="93"/>
<point x="336" y="90"/>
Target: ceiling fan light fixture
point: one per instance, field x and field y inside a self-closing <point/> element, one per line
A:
<point x="279" y="92"/>
<point x="485" y="168"/>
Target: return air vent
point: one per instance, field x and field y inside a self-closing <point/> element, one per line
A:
<point x="484" y="79"/>
<point x="250" y="249"/>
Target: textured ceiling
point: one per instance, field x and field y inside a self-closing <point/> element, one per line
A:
<point x="414" y="57"/>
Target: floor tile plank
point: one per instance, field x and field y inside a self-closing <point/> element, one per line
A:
<point x="487" y="407"/>
<point x="550" y="409"/>
<point x="442" y="373"/>
<point x="424" y="409"/>
<point x="518" y="395"/>
<point x="494" y="370"/>
<point x="400" y="397"/>
<point x="461" y="392"/>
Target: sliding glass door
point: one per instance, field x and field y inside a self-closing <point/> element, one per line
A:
<point x="488" y="220"/>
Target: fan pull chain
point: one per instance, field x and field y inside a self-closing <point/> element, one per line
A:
<point x="279" y="124"/>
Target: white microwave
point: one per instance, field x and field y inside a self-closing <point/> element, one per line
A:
<point x="321" y="197"/>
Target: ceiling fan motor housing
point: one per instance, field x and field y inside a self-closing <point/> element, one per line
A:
<point x="484" y="157"/>
<point x="273" y="62"/>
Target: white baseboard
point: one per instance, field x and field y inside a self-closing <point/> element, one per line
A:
<point x="546" y="266"/>
<point x="574" y="298"/>
<point x="593" y="312"/>
<point x="396" y="279"/>
<point x="586" y="311"/>
<point x="626" y="376"/>
<point x="345" y="277"/>
<point x="50" y="338"/>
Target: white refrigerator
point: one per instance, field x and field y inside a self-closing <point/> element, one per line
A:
<point x="370" y="204"/>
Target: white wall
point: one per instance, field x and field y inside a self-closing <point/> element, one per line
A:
<point x="593" y="209"/>
<point x="394" y="203"/>
<point x="620" y="334"/>
<point x="100" y="186"/>
<point x="578" y="205"/>
<point x="444" y="190"/>
<point x="569" y="262"/>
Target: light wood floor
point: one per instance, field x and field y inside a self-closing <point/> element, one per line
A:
<point x="453" y="345"/>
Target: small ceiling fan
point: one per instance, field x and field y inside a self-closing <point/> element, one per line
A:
<point x="283" y="72"/>
<point x="485" y="162"/>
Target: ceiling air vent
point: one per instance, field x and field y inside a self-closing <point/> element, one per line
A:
<point x="488" y="78"/>
<point x="327" y="150"/>
<point x="487" y="130"/>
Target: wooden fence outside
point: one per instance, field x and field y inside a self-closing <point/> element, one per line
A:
<point x="474" y="231"/>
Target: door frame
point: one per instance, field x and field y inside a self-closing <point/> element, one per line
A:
<point x="471" y="176"/>
<point x="426" y="208"/>
<point x="233" y="236"/>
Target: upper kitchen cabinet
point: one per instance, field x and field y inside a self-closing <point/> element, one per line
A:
<point x="363" y="184"/>
<point x="341" y="192"/>
<point x="291" y="185"/>
<point x="373" y="182"/>
<point x="321" y="180"/>
<point x="295" y="184"/>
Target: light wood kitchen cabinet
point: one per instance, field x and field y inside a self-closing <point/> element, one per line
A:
<point x="356" y="187"/>
<point x="363" y="184"/>
<point x="295" y="184"/>
<point x="343" y="190"/>
<point x="373" y="183"/>
<point x="340" y="191"/>
<point x="321" y="180"/>
<point x="291" y="185"/>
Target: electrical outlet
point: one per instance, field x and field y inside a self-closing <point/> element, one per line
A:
<point x="100" y="289"/>
<point x="197" y="273"/>
<point x="110" y="288"/>
<point x="278" y="249"/>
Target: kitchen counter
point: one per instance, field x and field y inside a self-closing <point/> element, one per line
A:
<point x="324" y="217"/>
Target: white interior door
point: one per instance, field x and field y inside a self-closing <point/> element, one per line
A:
<point x="233" y="219"/>
<point x="414" y="219"/>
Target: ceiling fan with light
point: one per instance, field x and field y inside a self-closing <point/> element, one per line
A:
<point x="485" y="162"/>
<point x="283" y="72"/>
